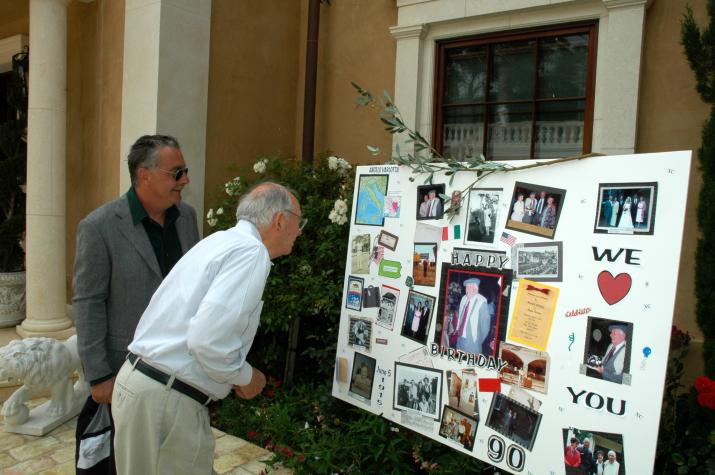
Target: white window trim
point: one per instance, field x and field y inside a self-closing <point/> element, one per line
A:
<point x="618" y="54"/>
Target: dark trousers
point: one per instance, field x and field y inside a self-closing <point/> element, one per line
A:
<point x="106" y="466"/>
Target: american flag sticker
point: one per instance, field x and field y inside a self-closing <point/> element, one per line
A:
<point x="508" y="239"/>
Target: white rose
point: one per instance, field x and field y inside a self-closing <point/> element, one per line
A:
<point x="260" y="166"/>
<point x="210" y="214"/>
<point x="333" y="162"/>
<point x="219" y="211"/>
<point x="213" y="222"/>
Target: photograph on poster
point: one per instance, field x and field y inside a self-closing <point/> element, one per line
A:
<point x="370" y="206"/>
<point x="607" y="354"/>
<point x="482" y="215"/>
<point x="626" y="208"/>
<point x="593" y="452"/>
<point x="393" y="203"/>
<point x="388" y="306"/>
<point x="525" y="398"/>
<point x="541" y="261"/>
<point x="424" y="263"/>
<point x="388" y="240"/>
<point x="371" y="296"/>
<point x="418" y="315"/>
<point x="360" y="333"/>
<point x="360" y="254"/>
<point x="513" y="420"/>
<point x="353" y="299"/>
<point x="535" y="209"/>
<point x="458" y="427"/>
<point x="463" y="391"/>
<point x="418" y="388"/>
<point x="429" y="203"/>
<point x="525" y="367"/>
<point x="363" y="375"/>
<point x="473" y="308"/>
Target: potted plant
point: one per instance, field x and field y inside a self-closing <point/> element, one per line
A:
<point x="13" y="164"/>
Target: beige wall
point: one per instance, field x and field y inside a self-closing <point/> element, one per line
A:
<point x="14" y="17"/>
<point x="95" y="45"/>
<point x="256" y="80"/>
<point x="670" y="117"/>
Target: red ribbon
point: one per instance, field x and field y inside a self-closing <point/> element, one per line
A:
<point x="543" y="291"/>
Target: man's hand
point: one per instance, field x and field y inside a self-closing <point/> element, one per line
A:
<point x="252" y="389"/>
<point x="102" y="392"/>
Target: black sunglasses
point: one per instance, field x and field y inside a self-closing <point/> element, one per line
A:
<point x="177" y="174"/>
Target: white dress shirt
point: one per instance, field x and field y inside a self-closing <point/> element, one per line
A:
<point x="201" y="321"/>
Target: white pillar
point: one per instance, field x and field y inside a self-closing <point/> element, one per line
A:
<point x="165" y="82"/>
<point x="408" y="74"/>
<point x="45" y="214"/>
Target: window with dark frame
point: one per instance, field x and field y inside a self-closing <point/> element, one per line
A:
<point x="517" y="95"/>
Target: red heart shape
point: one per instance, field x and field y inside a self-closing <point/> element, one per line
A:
<point x="614" y="289"/>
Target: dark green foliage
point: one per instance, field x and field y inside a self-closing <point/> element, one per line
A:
<point x="308" y="283"/>
<point x="699" y="48"/>
<point x="13" y="161"/>
<point x="314" y="433"/>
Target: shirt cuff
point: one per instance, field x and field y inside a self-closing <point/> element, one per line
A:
<point x="95" y="382"/>
<point x="244" y="374"/>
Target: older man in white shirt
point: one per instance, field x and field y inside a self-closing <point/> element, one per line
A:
<point x="191" y="343"/>
<point x="611" y="466"/>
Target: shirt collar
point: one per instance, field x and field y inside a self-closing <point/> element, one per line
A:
<point x="139" y="213"/>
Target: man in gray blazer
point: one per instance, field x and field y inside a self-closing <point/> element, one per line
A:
<point x="124" y="250"/>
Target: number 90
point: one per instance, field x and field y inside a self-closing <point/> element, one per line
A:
<point x="515" y="455"/>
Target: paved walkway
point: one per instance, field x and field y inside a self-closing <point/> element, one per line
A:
<point x="53" y="454"/>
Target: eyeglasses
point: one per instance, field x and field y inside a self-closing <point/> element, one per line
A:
<point x="177" y="174"/>
<point x="303" y="221"/>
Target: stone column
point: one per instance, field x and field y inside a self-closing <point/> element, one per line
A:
<point x="46" y="229"/>
<point x="408" y="74"/>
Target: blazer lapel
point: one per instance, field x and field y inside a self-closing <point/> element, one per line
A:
<point x="136" y="235"/>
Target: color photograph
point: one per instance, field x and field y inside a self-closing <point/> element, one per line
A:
<point x="535" y="209"/>
<point x="626" y="208"/>
<point x="424" y="263"/>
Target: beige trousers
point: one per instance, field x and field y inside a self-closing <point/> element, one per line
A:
<point x="158" y="430"/>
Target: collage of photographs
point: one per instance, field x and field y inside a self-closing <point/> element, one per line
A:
<point x="462" y="304"/>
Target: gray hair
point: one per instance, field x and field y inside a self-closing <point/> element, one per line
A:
<point x="261" y="203"/>
<point x="145" y="152"/>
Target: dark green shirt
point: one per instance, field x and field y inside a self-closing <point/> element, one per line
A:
<point x="164" y="239"/>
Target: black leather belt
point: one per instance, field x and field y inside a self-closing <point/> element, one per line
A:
<point x="163" y="378"/>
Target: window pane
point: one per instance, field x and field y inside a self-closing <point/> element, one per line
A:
<point x="465" y="75"/>
<point x="509" y="132"/>
<point x="559" y="129"/>
<point x="513" y="71"/>
<point x="563" y="62"/>
<point x="463" y="131"/>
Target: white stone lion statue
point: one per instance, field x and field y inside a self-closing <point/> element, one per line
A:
<point x="42" y="364"/>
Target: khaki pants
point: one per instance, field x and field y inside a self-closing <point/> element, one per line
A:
<point x="158" y="430"/>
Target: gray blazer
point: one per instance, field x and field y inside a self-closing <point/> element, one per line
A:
<point x="115" y="276"/>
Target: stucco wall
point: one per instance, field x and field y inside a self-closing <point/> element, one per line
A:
<point x="256" y="81"/>
<point x="95" y="45"/>
<point x="14" y="18"/>
<point x="670" y="117"/>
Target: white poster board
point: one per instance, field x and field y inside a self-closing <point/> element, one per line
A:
<point x="562" y="331"/>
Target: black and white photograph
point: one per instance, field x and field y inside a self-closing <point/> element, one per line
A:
<point x="482" y="215"/>
<point x="513" y="420"/>
<point x="371" y="296"/>
<point x="418" y="389"/>
<point x="418" y="315"/>
<point x="360" y="333"/>
<point x="473" y="308"/>
<point x="535" y="209"/>
<point x="360" y="254"/>
<point x="626" y="208"/>
<point x="539" y="261"/>
<point x="362" y="377"/>
<point x="458" y="428"/>
<point x="525" y="367"/>
<point x="429" y="201"/>
<point x="587" y="451"/>
<point x="353" y="297"/>
<point x="390" y="297"/>
<point x="607" y="354"/>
